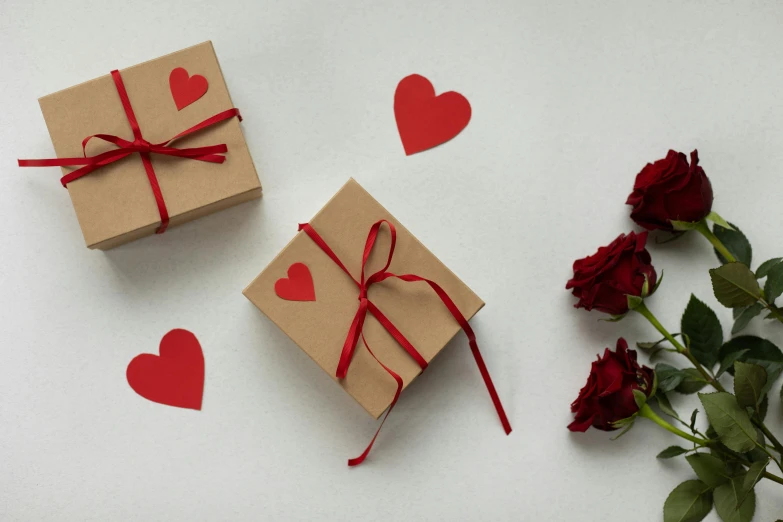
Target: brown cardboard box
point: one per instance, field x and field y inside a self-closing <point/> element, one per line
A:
<point x="115" y="203"/>
<point x="320" y="327"/>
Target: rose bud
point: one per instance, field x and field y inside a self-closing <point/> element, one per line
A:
<point x="604" y="280"/>
<point x="608" y="395"/>
<point x="671" y="190"/>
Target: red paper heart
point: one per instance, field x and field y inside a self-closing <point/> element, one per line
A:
<point x="298" y="286"/>
<point x="425" y="120"/>
<point x="186" y="89"/>
<point x="176" y="377"/>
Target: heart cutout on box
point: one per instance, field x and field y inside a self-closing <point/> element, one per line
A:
<point x="186" y="89"/>
<point x="425" y="120"/>
<point x="175" y="377"/>
<point x="298" y="286"/>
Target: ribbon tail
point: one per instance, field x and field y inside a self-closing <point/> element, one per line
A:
<point x="76" y="174"/>
<point x="53" y="162"/>
<point x="454" y="310"/>
<point x="358" y="460"/>
<point x="101" y="159"/>
<point x="225" y="115"/>
<point x="493" y="394"/>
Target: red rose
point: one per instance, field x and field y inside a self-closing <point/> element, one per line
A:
<point x="670" y="189"/>
<point x="608" y="395"/>
<point x="604" y="280"/>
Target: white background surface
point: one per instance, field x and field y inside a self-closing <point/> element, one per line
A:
<point x="569" y="102"/>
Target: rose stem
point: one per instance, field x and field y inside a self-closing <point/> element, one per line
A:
<point x="648" y="413"/>
<point x="772" y="477"/>
<point x="704" y="230"/>
<point x="642" y="309"/>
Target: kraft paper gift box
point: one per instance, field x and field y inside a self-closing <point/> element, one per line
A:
<point x="320" y="326"/>
<point x="115" y="203"/>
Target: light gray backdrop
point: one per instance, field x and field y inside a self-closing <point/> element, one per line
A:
<point x="570" y="100"/>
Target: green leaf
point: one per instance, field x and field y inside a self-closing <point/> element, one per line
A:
<point x="669" y="377"/>
<point x="730" y="421"/>
<point x="749" y="381"/>
<point x="728" y="361"/>
<point x="723" y="453"/>
<point x="747" y="313"/>
<point x="727" y="502"/>
<point x="755" y="473"/>
<point x="758" y="349"/>
<point x="773" y="287"/>
<point x="735" y="285"/>
<point x="735" y="242"/>
<point x="764" y="267"/>
<point x="665" y="405"/>
<point x="691" y="501"/>
<point x="654" y="387"/>
<point x="703" y="328"/>
<point x="671" y="452"/>
<point x="692" y="381"/>
<point x="757" y="454"/>
<point x="710" y="470"/>
<point x="773" y="369"/>
<point x="763" y="407"/>
<point x="693" y="419"/>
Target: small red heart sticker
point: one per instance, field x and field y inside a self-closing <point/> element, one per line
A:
<point x="175" y="377"/>
<point x="425" y="120"/>
<point x="298" y="286"/>
<point x="186" y="89"/>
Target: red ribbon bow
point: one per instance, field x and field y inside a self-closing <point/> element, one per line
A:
<point x="142" y="147"/>
<point x="365" y="305"/>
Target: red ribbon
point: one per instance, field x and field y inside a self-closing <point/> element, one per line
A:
<point x="365" y="305"/>
<point x="140" y="145"/>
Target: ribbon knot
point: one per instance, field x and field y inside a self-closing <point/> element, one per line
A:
<point x="142" y="145"/>
<point x="365" y="305"/>
<point x="144" y="148"/>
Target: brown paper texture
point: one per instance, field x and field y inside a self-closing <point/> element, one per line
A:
<point x="115" y="204"/>
<point x="320" y="327"/>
